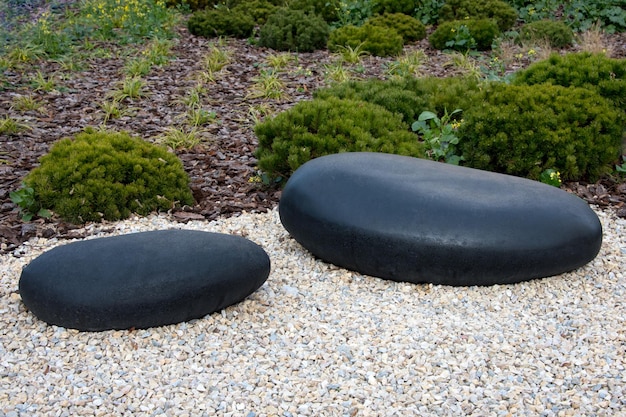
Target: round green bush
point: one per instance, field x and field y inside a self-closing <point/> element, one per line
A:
<point x="220" y="22"/>
<point x="597" y="72"/>
<point x="557" y="33"/>
<point x="408" y="97"/>
<point x="524" y="130"/>
<point x="321" y="127"/>
<point x="408" y="27"/>
<point x="377" y="40"/>
<point x="407" y="7"/>
<point x="258" y="10"/>
<point x="294" y="30"/>
<point x="482" y="31"/>
<point x="108" y="176"/>
<point x="326" y="9"/>
<point x="504" y="15"/>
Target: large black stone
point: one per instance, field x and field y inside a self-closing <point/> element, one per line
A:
<point x="142" y="280"/>
<point x="409" y="219"/>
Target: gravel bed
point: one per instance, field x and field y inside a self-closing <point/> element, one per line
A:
<point x="317" y="340"/>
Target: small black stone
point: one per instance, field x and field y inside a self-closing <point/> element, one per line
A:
<point x="414" y="220"/>
<point x="142" y="280"/>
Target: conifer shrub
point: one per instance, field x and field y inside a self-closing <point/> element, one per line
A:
<point x="258" y="10"/>
<point x="524" y="130"/>
<point x="410" y="96"/>
<point x="294" y="30"/>
<point x="377" y="40"/>
<point x="408" y="27"/>
<point x="406" y="7"/>
<point x="455" y="34"/>
<point x="321" y="127"/>
<point x="220" y="22"/>
<point x="504" y="14"/>
<point x="101" y="175"/>
<point x="326" y="9"/>
<point x="557" y="33"/>
<point x="597" y="72"/>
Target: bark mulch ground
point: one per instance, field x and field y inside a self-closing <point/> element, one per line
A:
<point x="221" y="166"/>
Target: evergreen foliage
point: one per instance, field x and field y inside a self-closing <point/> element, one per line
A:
<point x="377" y="40"/>
<point x="407" y="7"/>
<point x="504" y="15"/>
<point x="524" y="130"/>
<point x="321" y="127"/>
<point x="596" y="72"/>
<point x="294" y="30"/>
<point x="557" y="33"/>
<point x="408" y="27"/>
<point x="213" y="23"/>
<point x="108" y="176"/>
<point x="482" y="31"/>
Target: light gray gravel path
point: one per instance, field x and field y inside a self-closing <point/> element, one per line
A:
<point x="317" y="340"/>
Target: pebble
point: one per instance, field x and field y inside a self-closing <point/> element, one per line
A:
<point x="319" y="340"/>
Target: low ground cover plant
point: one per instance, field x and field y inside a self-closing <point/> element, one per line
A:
<point x="108" y="175"/>
<point x="465" y="35"/>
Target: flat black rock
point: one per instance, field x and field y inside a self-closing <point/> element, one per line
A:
<point x="142" y="280"/>
<point x="414" y="220"/>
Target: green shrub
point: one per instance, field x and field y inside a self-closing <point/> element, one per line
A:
<point x="258" y="10"/>
<point x="108" y="176"/>
<point x="408" y="27"/>
<point x="557" y="33"/>
<point x="377" y="40"/>
<point x="504" y="15"/>
<point x="406" y="7"/>
<point x="524" y="130"/>
<point x="462" y="35"/>
<point x="326" y="9"/>
<point x="408" y="97"/>
<point x="220" y="22"/>
<point x="294" y="30"/>
<point x="321" y="127"/>
<point x="597" y="72"/>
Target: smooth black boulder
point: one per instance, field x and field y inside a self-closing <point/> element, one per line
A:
<point x="142" y="279"/>
<point x="414" y="220"/>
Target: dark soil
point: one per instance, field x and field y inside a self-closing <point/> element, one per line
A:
<point x="220" y="168"/>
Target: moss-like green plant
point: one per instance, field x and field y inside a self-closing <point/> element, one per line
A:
<point x="105" y="175"/>
<point x="504" y="14"/>
<point x="524" y="130"/>
<point x="597" y="72"/>
<point x="462" y="35"/>
<point x="213" y="23"/>
<point x="294" y="30"/>
<point x="326" y="9"/>
<point x="258" y="10"/>
<point x="377" y="40"/>
<point x="558" y="34"/>
<point x="321" y="127"/>
<point x="407" y="7"/>
<point x="408" y="97"/>
<point x="409" y="28"/>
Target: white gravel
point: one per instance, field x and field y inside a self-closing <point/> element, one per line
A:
<point x="317" y="340"/>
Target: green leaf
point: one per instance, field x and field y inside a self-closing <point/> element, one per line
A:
<point x="426" y="115"/>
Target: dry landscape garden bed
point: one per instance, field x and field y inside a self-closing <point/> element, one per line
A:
<point x="315" y="339"/>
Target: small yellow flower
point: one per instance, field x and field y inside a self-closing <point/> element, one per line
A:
<point x="532" y="52"/>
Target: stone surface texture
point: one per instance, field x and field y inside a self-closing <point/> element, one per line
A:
<point x="409" y="219"/>
<point x="142" y="280"/>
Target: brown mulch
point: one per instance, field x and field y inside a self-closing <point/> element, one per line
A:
<point x="220" y="167"/>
